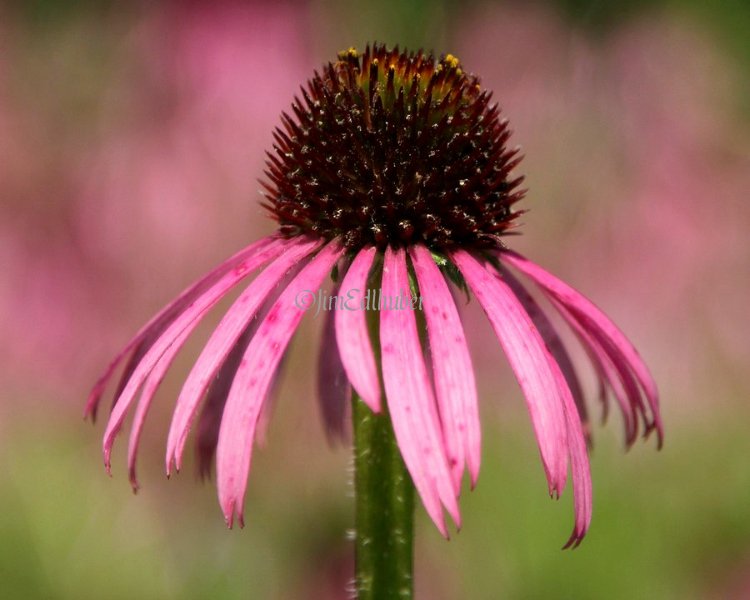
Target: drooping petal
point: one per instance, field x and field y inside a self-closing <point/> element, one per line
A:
<point x="619" y="366"/>
<point x="617" y="346"/>
<point x="543" y="384"/>
<point x="215" y="398"/>
<point x="253" y="379"/>
<point x="334" y="390"/>
<point x="269" y="404"/>
<point x="151" y="331"/>
<point x="144" y="403"/>
<point x="455" y="388"/>
<point x="602" y="392"/>
<point x="209" y="421"/>
<point x="581" y="471"/>
<point x="187" y="319"/>
<point x="554" y="344"/>
<point x="135" y="358"/>
<point x="221" y="342"/>
<point x="608" y="374"/>
<point x="352" y="334"/>
<point x="410" y="398"/>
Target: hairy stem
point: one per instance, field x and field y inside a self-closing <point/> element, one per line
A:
<point x="384" y="509"/>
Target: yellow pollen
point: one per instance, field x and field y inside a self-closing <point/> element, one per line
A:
<point x="451" y="61"/>
<point x="351" y="52"/>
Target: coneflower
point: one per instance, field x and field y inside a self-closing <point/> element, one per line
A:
<point x="392" y="173"/>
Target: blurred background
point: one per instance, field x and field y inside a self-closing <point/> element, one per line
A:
<point x="132" y="139"/>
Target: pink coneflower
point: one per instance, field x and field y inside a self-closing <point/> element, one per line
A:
<point x="393" y="173"/>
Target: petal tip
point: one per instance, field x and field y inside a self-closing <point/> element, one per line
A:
<point x="107" y="454"/>
<point x="575" y="539"/>
<point x="134" y="484"/>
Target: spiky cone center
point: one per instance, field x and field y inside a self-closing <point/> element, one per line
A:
<point x="394" y="148"/>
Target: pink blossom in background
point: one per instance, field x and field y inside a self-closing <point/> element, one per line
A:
<point x="688" y="186"/>
<point x="530" y="59"/>
<point x="43" y="305"/>
<point x="183" y="149"/>
<point x="46" y="300"/>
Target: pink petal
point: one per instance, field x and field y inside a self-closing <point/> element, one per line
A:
<point x="543" y="384"/>
<point x="209" y="422"/>
<point x="205" y="445"/>
<point x="620" y="383"/>
<point x="579" y="461"/>
<point x="221" y="342"/>
<point x="553" y="342"/>
<point x="334" y="390"/>
<point x="253" y="379"/>
<point x="352" y="333"/>
<point x="620" y="376"/>
<point x="153" y="329"/>
<point x="269" y="404"/>
<point x="144" y="403"/>
<point x="207" y="435"/>
<point x="135" y="357"/>
<point x="619" y="348"/>
<point x="455" y="387"/>
<point x="410" y="398"/>
<point x="188" y="319"/>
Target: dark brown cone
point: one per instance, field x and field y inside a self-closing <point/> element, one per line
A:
<point x="394" y="148"/>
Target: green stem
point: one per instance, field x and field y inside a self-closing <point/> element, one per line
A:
<point x="384" y="509"/>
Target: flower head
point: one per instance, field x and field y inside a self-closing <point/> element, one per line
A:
<point x="394" y="149"/>
<point x="393" y="173"/>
